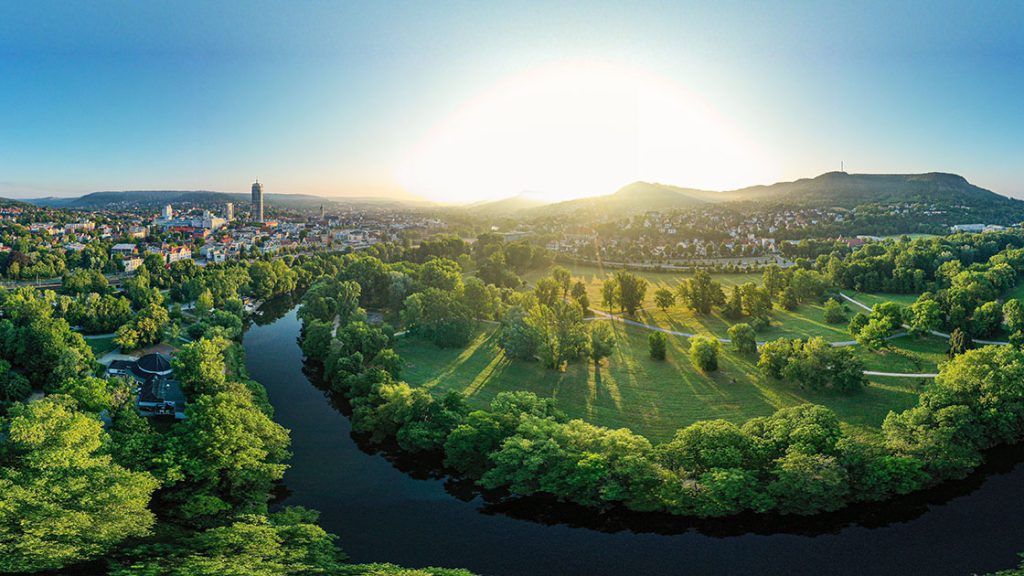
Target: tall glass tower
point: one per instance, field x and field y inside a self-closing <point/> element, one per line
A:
<point x="257" y="201"/>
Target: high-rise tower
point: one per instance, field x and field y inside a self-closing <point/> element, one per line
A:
<point x="257" y="201"/>
<point x="229" y="211"/>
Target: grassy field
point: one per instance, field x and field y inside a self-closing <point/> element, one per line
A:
<point x="1017" y="292"/>
<point x="805" y="321"/>
<point x="101" y="346"/>
<point x="878" y="298"/>
<point x="654" y="398"/>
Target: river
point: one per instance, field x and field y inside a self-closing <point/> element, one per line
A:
<point x="381" y="513"/>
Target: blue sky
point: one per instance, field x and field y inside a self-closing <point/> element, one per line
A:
<point x="335" y="98"/>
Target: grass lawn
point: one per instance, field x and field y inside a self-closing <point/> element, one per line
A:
<point x="907" y="354"/>
<point x="653" y="398"/>
<point x="101" y="346"/>
<point x="1016" y="292"/>
<point x="872" y="299"/>
<point x="807" y="320"/>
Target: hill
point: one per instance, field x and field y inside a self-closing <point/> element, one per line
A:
<point x="156" y="198"/>
<point x="507" y="206"/>
<point x="849" y="190"/>
<point x="630" y="199"/>
<point x="832" y="189"/>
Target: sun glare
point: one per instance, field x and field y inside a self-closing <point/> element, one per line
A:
<point x="578" y="130"/>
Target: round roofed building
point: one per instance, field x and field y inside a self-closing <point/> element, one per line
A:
<point x="153" y="365"/>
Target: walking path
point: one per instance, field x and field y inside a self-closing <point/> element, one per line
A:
<point x="932" y="332"/>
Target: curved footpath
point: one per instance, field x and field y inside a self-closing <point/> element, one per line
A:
<point x="932" y="332"/>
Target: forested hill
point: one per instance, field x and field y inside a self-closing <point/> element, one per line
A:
<point x="850" y="190"/>
<point x="948" y="193"/>
<point x="157" y="198"/>
<point x="632" y="198"/>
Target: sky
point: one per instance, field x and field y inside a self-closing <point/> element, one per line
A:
<point x="468" y="101"/>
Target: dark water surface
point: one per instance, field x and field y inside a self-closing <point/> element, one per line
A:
<point x="382" y="513"/>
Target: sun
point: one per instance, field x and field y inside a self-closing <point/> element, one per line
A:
<point x="579" y="129"/>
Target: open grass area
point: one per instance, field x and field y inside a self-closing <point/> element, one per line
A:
<point x="653" y="398"/>
<point x="878" y="298"/>
<point x="1016" y="292"/>
<point x="806" y="321"/>
<point x="101" y="346"/>
<point x="907" y="354"/>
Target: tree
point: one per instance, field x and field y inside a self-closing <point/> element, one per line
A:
<point x="885" y="319"/>
<point x="1013" y="315"/>
<point x="199" y="367"/>
<point x="479" y="299"/>
<point x="806" y="483"/>
<point x="817" y="365"/>
<point x="518" y="337"/>
<point x="442" y="274"/>
<point x="563" y="278"/>
<point x="562" y="333"/>
<point x="579" y="294"/>
<point x="13" y="386"/>
<point x="609" y="293"/>
<point x="704" y="353"/>
<point x="62" y="500"/>
<point x="602" y="341"/>
<point x="700" y="292"/>
<point x="657" y="345"/>
<point x="743" y="337"/>
<point x="547" y="291"/>
<point x="705" y="445"/>
<point x="959" y="342"/>
<point x="664" y="298"/>
<point x="774" y="357"/>
<point x="987" y="318"/>
<point x="204" y="303"/>
<point x="733" y="308"/>
<point x="233" y="453"/>
<point x="631" y="291"/>
<point x="834" y="312"/>
<point x="288" y="542"/>
<point x="925" y="315"/>
<point x="789" y="300"/>
<point x="774" y="280"/>
<point x="857" y="323"/>
<point x="757" y="303"/>
<point x="440" y="316"/>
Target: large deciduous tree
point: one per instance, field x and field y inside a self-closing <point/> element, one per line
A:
<point x="61" y="499"/>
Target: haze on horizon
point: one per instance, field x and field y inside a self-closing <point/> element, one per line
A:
<point x="469" y="101"/>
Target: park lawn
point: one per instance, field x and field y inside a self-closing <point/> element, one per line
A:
<point x="101" y="346"/>
<point x="1015" y="292"/>
<point x="878" y="298"/>
<point x="906" y="354"/>
<point x="594" y="276"/>
<point x="805" y="321"/>
<point x="653" y="398"/>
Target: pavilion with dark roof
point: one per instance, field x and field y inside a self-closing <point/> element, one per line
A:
<point x="158" y="393"/>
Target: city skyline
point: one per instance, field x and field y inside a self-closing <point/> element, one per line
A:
<point x="373" y="100"/>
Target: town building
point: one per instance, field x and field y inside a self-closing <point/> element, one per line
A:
<point x="157" y="393"/>
<point x="257" y="201"/>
